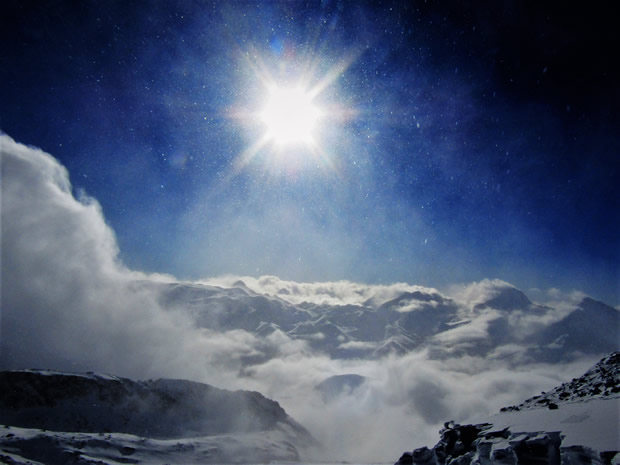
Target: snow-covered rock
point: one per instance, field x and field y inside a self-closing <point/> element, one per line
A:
<point x="88" y="414"/>
<point x="576" y="423"/>
<point x="489" y="444"/>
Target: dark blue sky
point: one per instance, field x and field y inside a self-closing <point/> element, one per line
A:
<point x="481" y="139"/>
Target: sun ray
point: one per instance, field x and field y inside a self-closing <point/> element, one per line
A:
<point x="334" y="73"/>
<point x="246" y="156"/>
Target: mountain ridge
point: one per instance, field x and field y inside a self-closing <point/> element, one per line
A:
<point x="408" y="321"/>
<point x="60" y="405"/>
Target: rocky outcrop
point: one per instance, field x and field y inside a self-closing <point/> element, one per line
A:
<point x="600" y="381"/>
<point x="483" y="445"/>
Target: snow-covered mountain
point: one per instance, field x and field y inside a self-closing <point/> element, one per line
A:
<point x="575" y="423"/>
<point x="412" y="320"/>
<point x="592" y="328"/>
<point x="343" y="331"/>
<point x="52" y="416"/>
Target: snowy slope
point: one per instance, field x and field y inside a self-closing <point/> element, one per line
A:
<point x="53" y="414"/>
<point x="26" y="446"/>
<point x="592" y="423"/>
<point x="576" y="423"/>
<point x="586" y="409"/>
<point x="602" y="381"/>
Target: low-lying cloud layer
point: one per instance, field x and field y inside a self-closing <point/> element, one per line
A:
<point x="68" y="303"/>
<point x="326" y="293"/>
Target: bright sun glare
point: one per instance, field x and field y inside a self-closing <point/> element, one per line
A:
<point x="290" y="116"/>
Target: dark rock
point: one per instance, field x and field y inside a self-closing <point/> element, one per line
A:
<point x="127" y="450"/>
<point x="608" y="456"/>
<point x="503" y="456"/>
<point x="405" y="459"/>
<point x="577" y="455"/>
<point x="423" y="456"/>
<point x="541" y="449"/>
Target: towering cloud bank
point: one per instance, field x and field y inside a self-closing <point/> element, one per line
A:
<point x="67" y="301"/>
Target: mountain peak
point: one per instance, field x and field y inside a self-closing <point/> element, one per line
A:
<point x="507" y="298"/>
<point x="589" y="303"/>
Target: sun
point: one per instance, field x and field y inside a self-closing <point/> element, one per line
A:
<point x="292" y="113"/>
<point x="290" y="116"/>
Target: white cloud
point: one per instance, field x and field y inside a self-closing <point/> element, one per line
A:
<point x="412" y="305"/>
<point x="358" y="345"/>
<point x="562" y="301"/>
<point x="321" y="293"/>
<point x="472" y="332"/>
<point x="476" y="293"/>
<point x="67" y="301"/>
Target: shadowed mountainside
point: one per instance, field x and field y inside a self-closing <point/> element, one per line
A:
<point x="65" y="412"/>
